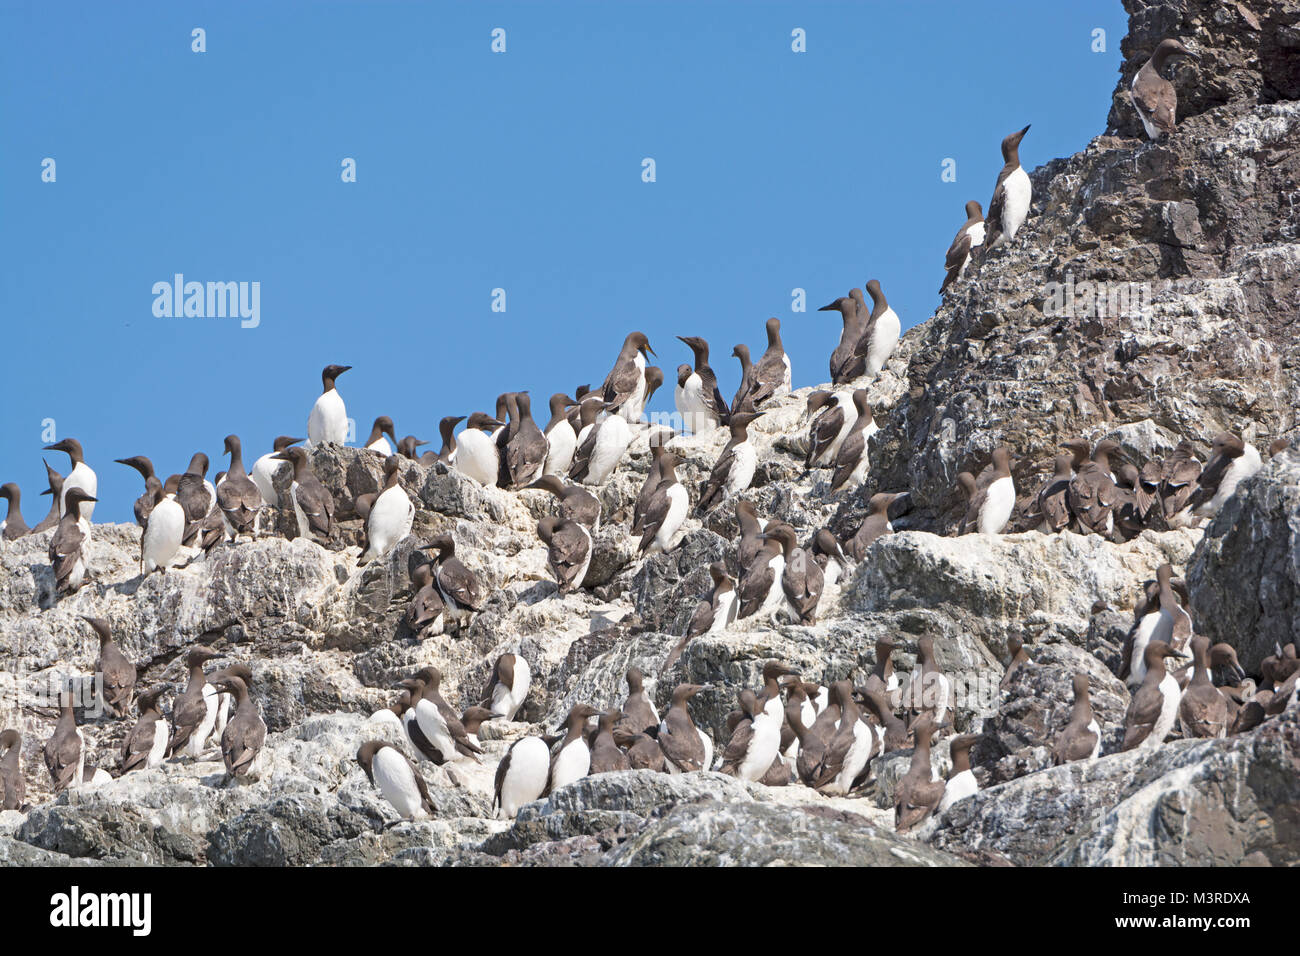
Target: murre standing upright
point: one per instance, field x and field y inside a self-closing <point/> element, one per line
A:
<point x="65" y="751"/>
<point x="313" y="505"/>
<point x="11" y="771"/>
<point x="521" y="776"/>
<point x="875" y="525"/>
<point x="165" y="529"/>
<point x="698" y="399"/>
<point x="917" y="794"/>
<point x="969" y="236"/>
<point x="476" y="453"/>
<point x="55" y="490"/>
<point x="734" y="469"/>
<point x="880" y="337"/>
<point x="508" y="686"/>
<point x="328" y="421"/>
<point x="237" y="495"/>
<point x="1203" y="710"/>
<point x="81" y="476"/>
<point x="391" y="773"/>
<point x="572" y="760"/>
<point x="115" y="673"/>
<point x="769" y="377"/>
<point x="801" y="577"/>
<point x="391" y="516"/>
<point x="1154" y="97"/>
<point x="1081" y="737"/>
<point x="685" y="746"/>
<point x="561" y="439"/>
<point x="624" y="388"/>
<point x="833" y="416"/>
<point x="716" y="610"/>
<point x="665" y="510"/>
<point x="853" y="459"/>
<point x="146" y="744"/>
<point x="1011" y="195"/>
<point x="961" y="779"/>
<point x="66" y="543"/>
<point x="846" y="362"/>
<point x="526" y="451"/>
<point x="460" y="587"/>
<point x="143" y="504"/>
<point x="194" y="711"/>
<point x="990" y="508"/>
<point x="1153" y="709"/>
<point x="244" y="735"/>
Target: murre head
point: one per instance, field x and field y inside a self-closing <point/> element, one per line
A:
<point x="974" y="211"/>
<point x="330" y="372"/>
<point x="1011" y="147"/>
<point x="284" y="441"/>
<point x="637" y="342"/>
<point x="1167" y="48"/>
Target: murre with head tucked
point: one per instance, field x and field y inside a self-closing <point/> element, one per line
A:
<point x="13" y="526"/>
<point x="1012" y="195"/>
<point x="521" y="777"/>
<point x="313" y="505"/>
<point x="328" y="421"/>
<point x="508" y="686"/>
<point x="1154" y="97"/>
<point x="576" y="503"/>
<point x="918" y="794"/>
<point x="831" y="419"/>
<point x="11" y="770"/>
<point x="568" y="551"/>
<point x="392" y="774"/>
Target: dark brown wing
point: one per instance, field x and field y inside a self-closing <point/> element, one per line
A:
<point x="822" y="432"/>
<point x="1143" y="712"/>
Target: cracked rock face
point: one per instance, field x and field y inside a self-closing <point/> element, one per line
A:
<point x="1196" y="240"/>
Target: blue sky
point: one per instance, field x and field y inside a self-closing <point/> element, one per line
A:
<point x="477" y="170"/>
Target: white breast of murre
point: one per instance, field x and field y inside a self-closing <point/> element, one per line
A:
<point x="304" y="528"/>
<point x="572" y="764"/>
<point x="1019" y="192"/>
<point x="506" y="701"/>
<point x="1242" y="467"/>
<point x="158" y="749"/>
<point x="787" y="380"/>
<point x="884" y="339"/>
<point x="959" y="787"/>
<point x="162" y="538"/>
<point x="855" y="760"/>
<point x="611" y="443"/>
<point x="724" y="611"/>
<point x="476" y="456"/>
<point x="81" y="476"/>
<point x="561" y="443"/>
<point x="1095" y="728"/>
<point x="396" y="781"/>
<point x="530" y="765"/>
<point x="678" y="504"/>
<point x="845" y="401"/>
<point x="776" y="594"/>
<point x="263" y="471"/>
<point x="434" y="728"/>
<point x="998" y="502"/>
<point x="763" y="747"/>
<point x="199" y="739"/>
<point x="389" y="522"/>
<point x="630" y="410"/>
<point x="1137" y="668"/>
<point x="690" y="403"/>
<point x="1168" y="712"/>
<point x="328" y="420"/>
<point x="745" y="460"/>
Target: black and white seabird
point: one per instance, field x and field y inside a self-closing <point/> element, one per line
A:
<point x="698" y="399"/>
<point x="391" y="516"/>
<point x="11" y="770"/>
<point x="116" y="673"/>
<point x="880" y="337"/>
<point x="624" y="390"/>
<point x="521" y="777"/>
<point x="734" y="469"/>
<point x="328" y="421"/>
<point x="1092" y="496"/>
<point x="426" y="613"/>
<point x="576" y="502"/>
<point x="832" y="416"/>
<point x="441" y="725"/>
<point x="852" y="461"/>
<point x="376" y="441"/>
<point x="572" y="759"/>
<point x="995" y="496"/>
<point x="1232" y="460"/>
<point x="65" y="751"/>
<point x="313" y="505"/>
<point x="526" y="449"/>
<point x="447" y="432"/>
<point x="648" y="487"/>
<point x="929" y="693"/>
<point x="601" y="445"/>
<point x="1177" y="478"/>
<point x="392" y="774"/>
<point x="685" y="746"/>
<point x="961" y="779"/>
<point x="198" y="497"/>
<point x="508" y="686"/>
<point x="639" y="713"/>
<point x="917" y="793"/>
<point x="568" y="551"/>
<point x="13" y="526"/>
<point x="801" y="576"/>
<point x="1202" y="710"/>
<point x="264" y="469"/>
<point x="194" y="711"/>
<point x="561" y="439"/>
<point x="847" y="363"/>
<point x="147" y="743"/>
<point x="1011" y="195"/>
<point x="769" y="377"/>
<point x="237" y="495"/>
<point x="1153" y="708"/>
<point x="460" y="587"/>
<point x="715" y="612"/>
<point x="477" y="456"/>
<point x="1154" y="97"/>
<point x="969" y="236"/>
<point x="606" y="757"/>
<point x="844" y="762"/>
<point x="81" y="476"/>
<point x="875" y="524"/>
<point x="756" y="740"/>
<point x="143" y="504"/>
<point x="55" y="490"/>
<point x="1052" y="501"/>
<point x="66" y="543"/>
<point x="242" y="740"/>
<point x="760" y="590"/>
<point x="751" y="533"/>
<point x="165" y="529"/>
<point x="665" y="509"/>
<point x="1081" y="737"/>
<point x="741" y="352"/>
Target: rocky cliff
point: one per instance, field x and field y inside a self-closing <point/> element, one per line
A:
<point x="1149" y="298"/>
